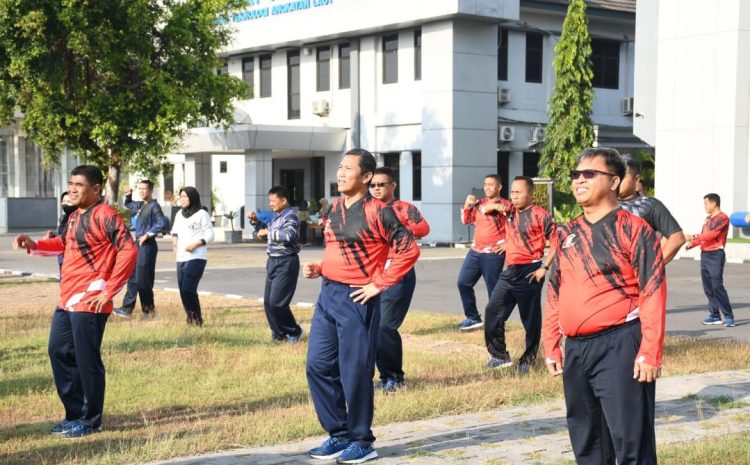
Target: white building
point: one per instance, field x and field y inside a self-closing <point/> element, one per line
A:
<point x="443" y="91"/>
<point x="692" y="102"/>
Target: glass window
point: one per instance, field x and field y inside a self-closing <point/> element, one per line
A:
<point x="293" y="84"/>
<point x="222" y="167"/>
<point x="324" y="68"/>
<point x="248" y="74"/>
<point x="390" y="59"/>
<point x="265" y="76"/>
<point x="534" y="56"/>
<point x="531" y="164"/>
<point x="502" y="55"/>
<point x="344" y="65"/>
<point x="605" y="62"/>
<point x="416" y="176"/>
<point x="418" y="55"/>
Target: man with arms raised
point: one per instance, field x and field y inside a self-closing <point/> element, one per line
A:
<point x="360" y="232"/>
<point x="607" y="294"/>
<point x="99" y="256"/>
<point x="395" y="301"/>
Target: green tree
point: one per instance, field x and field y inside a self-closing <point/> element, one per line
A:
<point x="118" y="82"/>
<point x="570" y="129"/>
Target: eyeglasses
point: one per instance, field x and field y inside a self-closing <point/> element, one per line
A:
<point x="587" y="174"/>
<point x="378" y="184"/>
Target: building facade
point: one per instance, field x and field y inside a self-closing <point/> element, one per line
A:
<point x="444" y="92"/>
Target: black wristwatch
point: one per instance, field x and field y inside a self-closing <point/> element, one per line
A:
<point x="546" y="267"/>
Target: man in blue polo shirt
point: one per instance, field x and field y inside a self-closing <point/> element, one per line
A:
<point x="150" y="222"/>
<point x="282" y="267"/>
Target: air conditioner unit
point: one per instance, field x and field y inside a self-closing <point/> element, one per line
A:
<point x="503" y="96"/>
<point x="627" y="106"/>
<point x="321" y="107"/>
<point x="506" y="133"/>
<point x="536" y="135"/>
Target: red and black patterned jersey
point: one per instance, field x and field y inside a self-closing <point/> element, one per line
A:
<point x="526" y="235"/>
<point x="410" y="217"/>
<point x="358" y="242"/>
<point x="603" y="275"/>
<point x="489" y="229"/>
<point x="99" y="255"/>
<point x="713" y="236"/>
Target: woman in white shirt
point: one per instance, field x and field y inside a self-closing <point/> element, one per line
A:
<point x="191" y="231"/>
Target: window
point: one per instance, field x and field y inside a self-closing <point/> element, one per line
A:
<point x="534" y="56"/>
<point x="223" y="70"/>
<point x="531" y="164"/>
<point x="324" y="68"/>
<point x="344" y="65"/>
<point x="248" y="74"/>
<point x="4" y="166"/>
<point x="390" y="59"/>
<point x="222" y="167"/>
<point x="605" y="62"/>
<point x="418" y="55"/>
<point x="393" y="161"/>
<point x="503" y="167"/>
<point x="416" y="176"/>
<point x="265" y="76"/>
<point x="502" y="54"/>
<point x="293" y="84"/>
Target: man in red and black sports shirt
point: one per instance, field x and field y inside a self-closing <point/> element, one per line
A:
<point x="487" y="254"/>
<point x="395" y="301"/>
<point x="99" y="257"/>
<point x="607" y="294"/>
<point x="712" y="240"/>
<point x="527" y="230"/>
<point x="360" y="234"/>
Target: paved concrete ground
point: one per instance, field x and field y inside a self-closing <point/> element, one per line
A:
<point x="239" y="269"/>
<point x="686" y="409"/>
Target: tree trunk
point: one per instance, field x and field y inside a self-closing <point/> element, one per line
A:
<point x="113" y="183"/>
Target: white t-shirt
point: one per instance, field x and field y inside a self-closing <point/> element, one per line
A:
<point x="189" y="230"/>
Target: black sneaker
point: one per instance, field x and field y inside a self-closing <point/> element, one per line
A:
<point x="500" y="362"/>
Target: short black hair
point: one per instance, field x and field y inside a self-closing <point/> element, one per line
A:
<point x="62" y="196"/>
<point x="92" y="174"/>
<point x="280" y="192"/>
<point x="529" y="182"/>
<point x="386" y="171"/>
<point x="611" y="157"/>
<point x="367" y="161"/>
<point x="496" y="177"/>
<point x="147" y="182"/>
<point x="713" y="198"/>
<point x="631" y="163"/>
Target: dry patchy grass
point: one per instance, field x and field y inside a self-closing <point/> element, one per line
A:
<point x="174" y="390"/>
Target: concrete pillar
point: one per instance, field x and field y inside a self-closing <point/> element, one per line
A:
<point x="198" y="175"/>
<point x="405" y="170"/>
<point x="258" y="179"/>
<point x="18" y="167"/>
<point x="459" y="119"/>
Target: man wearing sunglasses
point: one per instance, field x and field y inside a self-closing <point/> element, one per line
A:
<point x="607" y="295"/>
<point x="487" y="255"/>
<point x="395" y="301"/>
<point x="650" y="209"/>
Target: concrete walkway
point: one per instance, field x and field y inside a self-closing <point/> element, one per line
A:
<point x="688" y="408"/>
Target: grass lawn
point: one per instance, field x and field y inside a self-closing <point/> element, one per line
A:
<point x="174" y="390"/>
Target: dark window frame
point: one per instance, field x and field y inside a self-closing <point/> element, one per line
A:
<point x="345" y="68"/>
<point x="416" y="176"/>
<point x="605" y="63"/>
<point x="248" y="75"/>
<point x="223" y="166"/>
<point x="418" y="55"/>
<point x="530" y="164"/>
<point x="502" y="54"/>
<point x="323" y="68"/>
<point x="390" y="58"/>
<point x="294" y="106"/>
<point x="266" y="65"/>
<point x="534" y="57"/>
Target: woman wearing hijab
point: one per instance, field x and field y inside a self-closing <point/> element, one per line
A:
<point x="191" y="232"/>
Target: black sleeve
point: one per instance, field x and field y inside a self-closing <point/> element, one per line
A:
<point x="662" y="220"/>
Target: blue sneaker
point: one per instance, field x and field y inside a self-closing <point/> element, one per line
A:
<point x="330" y="449"/>
<point x="357" y="454"/>
<point x="469" y="324"/>
<point x="295" y="339"/>
<point x="62" y="427"/>
<point x="711" y="320"/>
<point x="79" y="430"/>
<point x="392" y="385"/>
<point x="123" y="312"/>
<point x="729" y="323"/>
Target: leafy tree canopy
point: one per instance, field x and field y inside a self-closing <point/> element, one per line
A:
<point x="115" y="81"/>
